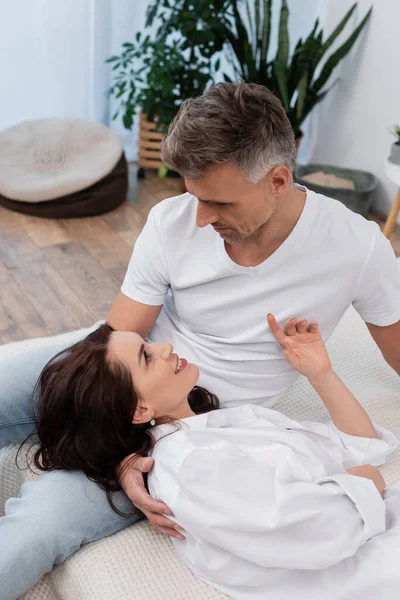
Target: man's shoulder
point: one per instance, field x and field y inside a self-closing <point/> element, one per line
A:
<point x="336" y="219"/>
<point x="177" y="211"/>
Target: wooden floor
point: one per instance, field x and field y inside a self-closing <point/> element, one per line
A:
<point x="58" y="275"/>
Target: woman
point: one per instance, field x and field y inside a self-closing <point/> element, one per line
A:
<point x="270" y="507"/>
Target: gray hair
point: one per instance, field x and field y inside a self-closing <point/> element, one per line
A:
<point x="242" y="124"/>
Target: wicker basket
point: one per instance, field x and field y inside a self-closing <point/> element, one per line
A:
<point x="149" y="144"/>
<point x="358" y="200"/>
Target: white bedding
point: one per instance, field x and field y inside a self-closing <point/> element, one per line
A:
<point x="138" y="563"/>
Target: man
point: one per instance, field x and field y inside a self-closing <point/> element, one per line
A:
<point x="242" y="242"/>
<point x="209" y="265"/>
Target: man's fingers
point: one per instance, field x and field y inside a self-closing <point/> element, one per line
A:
<point x="145" y="464"/>
<point x="274" y="327"/>
<point x="160" y="521"/>
<point x="171" y="532"/>
<point x="153" y="506"/>
<point x="164" y="525"/>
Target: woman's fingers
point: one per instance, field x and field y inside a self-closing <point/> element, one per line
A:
<point x="290" y="326"/>
<point x="274" y="327"/>
<point x="301" y="326"/>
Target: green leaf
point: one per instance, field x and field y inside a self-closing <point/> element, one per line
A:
<point x="151" y="13"/>
<point x="313" y="32"/>
<point x="266" y="32"/>
<point x="283" y="37"/>
<point x="302" y="93"/>
<point x="338" y="30"/>
<point x="162" y="171"/>
<point x="249" y="18"/>
<point x="281" y="78"/>
<point x="127" y="120"/>
<point x="217" y="64"/>
<point x="256" y="20"/>
<point x="340" y="53"/>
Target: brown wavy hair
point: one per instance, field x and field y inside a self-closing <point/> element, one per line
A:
<point x="83" y="406"/>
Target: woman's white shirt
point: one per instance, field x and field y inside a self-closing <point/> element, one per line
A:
<point x="265" y="501"/>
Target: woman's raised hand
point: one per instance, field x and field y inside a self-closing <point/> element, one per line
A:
<point x="302" y="346"/>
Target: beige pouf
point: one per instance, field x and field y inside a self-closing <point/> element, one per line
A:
<point x="61" y="168"/>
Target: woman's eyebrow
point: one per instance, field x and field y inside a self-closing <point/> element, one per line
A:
<point x="141" y="350"/>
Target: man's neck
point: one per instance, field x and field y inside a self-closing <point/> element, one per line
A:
<point x="266" y="240"/>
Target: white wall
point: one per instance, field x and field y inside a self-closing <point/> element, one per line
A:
<point x="52" y="59"/>
<point x="302" y="17"/>
<point x="127" y="17"/>
<point x="354" y="118"/>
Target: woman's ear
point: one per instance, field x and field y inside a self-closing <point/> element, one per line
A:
<point x="143" y="414"/>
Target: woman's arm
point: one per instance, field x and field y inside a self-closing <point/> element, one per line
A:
<point x="346" y="412"/>
<point x="304" y="348"/>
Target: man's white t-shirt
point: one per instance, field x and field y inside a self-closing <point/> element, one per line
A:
<point x="214" y="310"/>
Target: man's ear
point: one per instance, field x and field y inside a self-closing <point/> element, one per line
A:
<point x="279" y="179"/>
<point x="143" y="414"/>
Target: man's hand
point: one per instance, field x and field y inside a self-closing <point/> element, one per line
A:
<point x="131" y="479"/>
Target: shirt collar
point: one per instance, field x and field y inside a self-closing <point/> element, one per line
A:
<point x="196" y="422"/>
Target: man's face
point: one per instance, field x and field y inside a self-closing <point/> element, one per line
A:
<point x="236" y="209"/>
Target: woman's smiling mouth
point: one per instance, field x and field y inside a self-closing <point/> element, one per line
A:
<point x="180" y="365"/>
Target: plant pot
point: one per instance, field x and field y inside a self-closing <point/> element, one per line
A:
<point x="358" y="200"/>
<point x="298" y="139"/>
<point x="395" y="153"/>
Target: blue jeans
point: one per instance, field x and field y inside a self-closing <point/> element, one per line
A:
<point x="58" y="512"/>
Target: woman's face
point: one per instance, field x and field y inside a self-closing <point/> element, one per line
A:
<point x="161" y="379"/>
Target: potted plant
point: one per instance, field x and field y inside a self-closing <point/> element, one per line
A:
<point x="159" y="74"/>
<point x="156" y="75"/>
<point x="298" y="80"/>
<point x="395" y="152"/>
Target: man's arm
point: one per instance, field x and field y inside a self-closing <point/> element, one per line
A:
<point x="128" y="315"/>
<point x="388" y="340"/>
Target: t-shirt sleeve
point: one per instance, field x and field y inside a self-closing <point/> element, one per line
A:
<point x="378" y="296"/>
<point x="230" y="500"/>
<point x="147" y="278"/>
